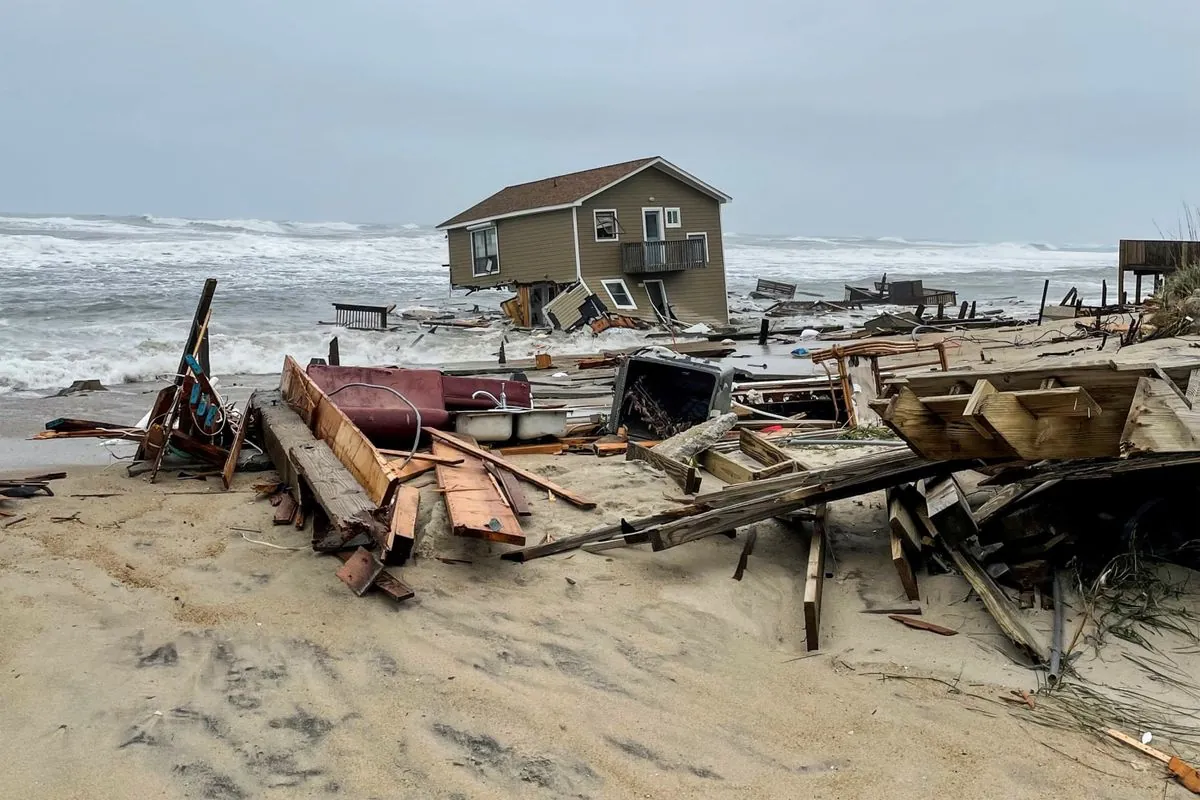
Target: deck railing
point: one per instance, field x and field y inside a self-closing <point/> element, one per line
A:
<point x="669" y="256"/>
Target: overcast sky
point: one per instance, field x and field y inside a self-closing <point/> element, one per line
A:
<point x="1028" y="120"/>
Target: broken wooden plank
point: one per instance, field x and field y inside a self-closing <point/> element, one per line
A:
<point x="903" y="568"/>
<point x="744" y="558"/>
<point x="764" y="451"/>
<point x="1160" y="421"/>
<point x="360" y="571"/>
<point x="402" y="528"/>
<point x="935" y="437"/>
<point x="1006" y="614"/>
<point x="683" y="474"/>
<point x="814" y="582"/>
<point x="525" y="475"/>
<point x="406" y="455"/>
<point x="510" y="488"/>
<point x="900" y="518"/>
<point x="922" y="625"/>
<point x="946" y="405"/>
<point x="350" y="511"/>
<point x="236" y="450"/>
<point x="473" y="503"/>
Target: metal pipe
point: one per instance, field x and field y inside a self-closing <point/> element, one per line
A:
<point x="1052" y="676"/>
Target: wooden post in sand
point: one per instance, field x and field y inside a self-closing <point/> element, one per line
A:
<point x="1042" y="307"/>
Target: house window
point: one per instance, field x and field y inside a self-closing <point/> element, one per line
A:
<point x="698" y="247"/>
<point x="485" y="252"/>
<point x="673" y="218"/>
<point x="605" y="221"/>
<point x="618" y="292"/>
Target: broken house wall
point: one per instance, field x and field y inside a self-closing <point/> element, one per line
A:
<point x="697" y="295"/>
<point x="532" y="249"/>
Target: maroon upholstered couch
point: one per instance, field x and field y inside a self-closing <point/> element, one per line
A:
<point x="367" y="396"/>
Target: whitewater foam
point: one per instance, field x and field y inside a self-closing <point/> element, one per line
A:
<point x="111" y="298"/>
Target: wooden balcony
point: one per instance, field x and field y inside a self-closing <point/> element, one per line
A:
<point x="638" y="258"/>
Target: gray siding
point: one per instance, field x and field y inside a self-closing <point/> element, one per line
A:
<point x="697" y="295"/>
<point x="534" y="248"/>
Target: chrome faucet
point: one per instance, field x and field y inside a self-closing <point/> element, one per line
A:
<point x="501" y="403"/>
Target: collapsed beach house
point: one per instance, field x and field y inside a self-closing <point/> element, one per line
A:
<point x="639" y="239"/>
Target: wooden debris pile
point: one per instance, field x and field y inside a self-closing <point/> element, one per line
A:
<point x="190" y="425"/>
<point x="1104" y="410"/>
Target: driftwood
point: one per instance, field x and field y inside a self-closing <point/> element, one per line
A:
<point x="683" y="474"/>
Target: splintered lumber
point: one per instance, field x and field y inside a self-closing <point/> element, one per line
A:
<point x="828" y="486"/>
<point x="329" y="424"/>
<point x="1007" y="497"/>
<point x="525" y="475"/>
<point x="903" y="568"/>
<point x="405" y="472"/>
<point x="298" y="457"/>
<point x="347" y="506"/>
<point x="814" y="583"/>
<point x="510" y="487"/>
<point x="879" y="464"/>
<point x="405" y="455"/>
<point x="597" y="534"/>
<point x="1006" y="614"/>
<point x="236" y="450"/>
<point x="683" y="474"/>
<point x="402" y="527"/>
<point x="744" y="559"/>
<point x="936" y="437"/>
<point x="922" y="625"/>
<point x="473" y="502"/>
<point x="1160" y="421"/>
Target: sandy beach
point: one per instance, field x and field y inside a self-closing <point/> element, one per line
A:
<point x="150" y="648"/>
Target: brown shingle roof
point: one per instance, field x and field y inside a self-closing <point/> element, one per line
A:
<point x="557" y="191"/>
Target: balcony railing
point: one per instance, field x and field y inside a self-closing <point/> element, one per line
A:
<point x="672" y="256"/>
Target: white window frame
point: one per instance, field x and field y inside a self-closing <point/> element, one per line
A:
<point x="700" y="235"/>
<point x="678" y="223"/>
<point x="471" y="244"/>
<point x="632" y="306"/>
<point x="596" y="225"/>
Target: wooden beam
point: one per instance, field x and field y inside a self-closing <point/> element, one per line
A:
<point x="1066" y="401"/>
<point x="683" y="474"/>
<point x="598" y="534"/>
<point x="938" y="438"/>
<point x="946" y="405"/>
<point x="347" y="506"/>
<point x="948" y="510"/>
<point x="971" y="412"/>
<point x="360" y="571"/>
<point x="1006" y="614"/>
<point x="510" y="487"/>
<point x="814" y="583"/>
<point x="402" y="530"/>
<point x="473" y="503"/>
<point x="525" y="475"/>
<point x="238" y="440"/>
<point x="922" y="625"/>
<point x="903" y="568"/>
<point x="724" y="468"/>
<point x="282" y="429"/>
<point x="385" y="581"/>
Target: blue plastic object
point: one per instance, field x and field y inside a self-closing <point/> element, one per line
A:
<point x="800" y="352"/>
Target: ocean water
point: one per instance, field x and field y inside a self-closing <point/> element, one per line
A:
<point x="112" y="297"/>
